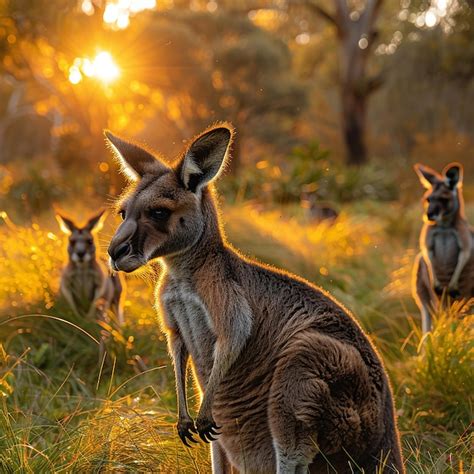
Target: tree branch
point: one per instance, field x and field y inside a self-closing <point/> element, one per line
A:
<point x="335" y="20"/>
<point x="369" y="15"/>
<point x="320" y="11"/>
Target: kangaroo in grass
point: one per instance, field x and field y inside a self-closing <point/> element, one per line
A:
<point x="446" y="260"/>
<point x="83" y="281"/>
<point x="286" y="373"/>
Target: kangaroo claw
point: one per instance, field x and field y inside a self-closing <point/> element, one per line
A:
<point x="453" y="293"/>
<point x="185" y="429"/>
<point x="206" y="429"/>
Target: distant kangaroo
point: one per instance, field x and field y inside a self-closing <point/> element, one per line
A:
<point x="446" y="260"/>
<point x="83" y="282"/>
<point x="316" y="210"/>
<point x="286" y="373"/>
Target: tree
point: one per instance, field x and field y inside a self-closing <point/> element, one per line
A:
<point x="39" y="44"/>
<point x="219" y="66"/>
<point x="180" y="71"/>
<point x="356" y="32"/>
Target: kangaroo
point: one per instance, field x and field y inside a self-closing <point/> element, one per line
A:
<point x="83" y="281"/>
<point x="446" y="260"/>
<point x="316" y="210"/>
<point x="288" y="379"/>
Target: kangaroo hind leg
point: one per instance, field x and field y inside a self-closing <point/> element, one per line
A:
<point x="220" y="463"/>
<point x="320" y="402"/>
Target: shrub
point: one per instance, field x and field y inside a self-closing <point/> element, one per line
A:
<point x="308" y="169"/>
<point x="437" y="384"/>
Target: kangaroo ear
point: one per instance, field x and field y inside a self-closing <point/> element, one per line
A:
<point x="135" y="160"/>
<point x="65" y="224"/>
<point x="427" y="176"/>
<point x="453" y="174"/>
<point x="95" y="223"/>
<point x="205" y="157"/>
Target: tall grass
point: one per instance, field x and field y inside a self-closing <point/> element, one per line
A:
<point x="63" y="409"/>
<point x="54" y="426"/>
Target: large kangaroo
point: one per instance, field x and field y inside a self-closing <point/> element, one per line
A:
<point x="83" y="281"/>
<point x="446" y="260"/>
<point x="286" y="373"/>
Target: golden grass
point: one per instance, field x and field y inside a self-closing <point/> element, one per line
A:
<point x="31" y="259"/>
<point x="63" y="410"/>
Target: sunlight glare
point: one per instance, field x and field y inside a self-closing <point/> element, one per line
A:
<point x="431" y="19"/>
<point x="102" y="68"/>
<point x="117" y="13"/>
<point x="75" y="75"/>
<point x="111" y="13"/>
<point x="87" y="7"/>
<point x="434" y="14"/>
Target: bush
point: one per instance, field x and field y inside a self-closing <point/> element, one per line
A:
<point x="32" y="185"/>
<point x="309" y="170"/>
<point x="442" y="369"/>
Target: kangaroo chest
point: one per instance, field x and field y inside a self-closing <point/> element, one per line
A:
<point x="445" y="248"/>
<point x="188" y="313"/>
<point x="83" y="283"/>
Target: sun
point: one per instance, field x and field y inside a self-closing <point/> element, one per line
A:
<point x="102" y="67"/>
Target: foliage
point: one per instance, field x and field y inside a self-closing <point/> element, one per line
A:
<point x="34" y="186"/>
<point x="240" y="73"/>
<point x="443" y="369"/>
<point x="309" y="170"/>
<point x="428" y="84"/>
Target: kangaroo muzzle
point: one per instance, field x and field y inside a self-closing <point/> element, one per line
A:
<point x="120" y="249"/>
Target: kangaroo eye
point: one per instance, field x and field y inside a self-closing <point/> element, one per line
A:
<point x="122" y="214"/>
<point x="159" y="214"/>
<point x="90" y="241"/>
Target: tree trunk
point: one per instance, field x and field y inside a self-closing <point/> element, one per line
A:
<point x="356" y="32"/>
<point x="354" y="111"/>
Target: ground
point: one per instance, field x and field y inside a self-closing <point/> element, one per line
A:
<point x="62" y="409"/>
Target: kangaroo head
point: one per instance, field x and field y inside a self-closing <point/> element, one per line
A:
<point x="162" y="213"/>
<point x="442" y="196"/>
<point x="81" y="247"/>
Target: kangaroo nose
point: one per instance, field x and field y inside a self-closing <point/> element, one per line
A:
<point x="119" y="251"/>
<point x="81" y="253"/>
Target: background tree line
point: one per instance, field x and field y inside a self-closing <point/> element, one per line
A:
<point x="366" y="79"/>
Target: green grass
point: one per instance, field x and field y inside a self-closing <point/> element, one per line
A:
<point x="64" y="410"/>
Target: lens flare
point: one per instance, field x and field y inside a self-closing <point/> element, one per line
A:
<point x="102" y="67"/>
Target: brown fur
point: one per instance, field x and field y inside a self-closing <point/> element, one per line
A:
<point x="445" y="264"/>
<point x="85" y="285"/>
<point x="286" y="373"/>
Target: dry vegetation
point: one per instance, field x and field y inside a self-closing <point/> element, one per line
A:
<point x="63" y="410"/>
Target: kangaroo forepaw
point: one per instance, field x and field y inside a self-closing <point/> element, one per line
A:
<point x="207" y="428"/>
<point x="454" y="293"/>
<point x="186" y="429"/>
